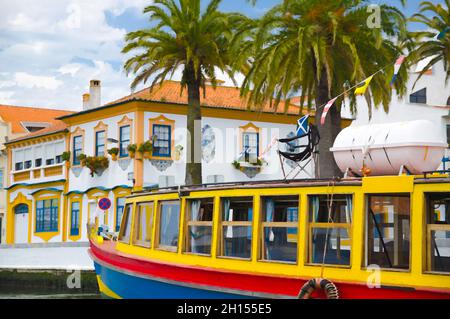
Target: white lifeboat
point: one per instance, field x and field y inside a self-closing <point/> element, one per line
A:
<point x="384" y="148"/>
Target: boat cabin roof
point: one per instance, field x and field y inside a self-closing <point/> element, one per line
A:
<point x="312" y="182"/>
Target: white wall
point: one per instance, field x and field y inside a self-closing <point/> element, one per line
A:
<point x="114" y="175"/>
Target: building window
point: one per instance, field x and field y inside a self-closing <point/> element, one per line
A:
<point x="77" y="149"/>
<point x="100" y="143"/>
<point x="279" y="228"/>
<point x="438" y="232"/>
<point x="199" y="226"/>
<point x="120" y="204"/>
<point x="250" y="145"/>
<point x="143" y="224"/>
<point x="330" y="229"/>
<point x="388" y="231"/>
<point x="21" y="209"/>
<point x="236" y="227"/>
<point x="75" y="219"/>
<point x="162" y="140"/>
<point x="448" y="101"/>
<point x="1" y="178"/>
<point x="125" y="226"/>
<point x="419" y="96"/>
<point x="169" y="218"/>
<point x="47" y="215"/>
<point x="124" y="140"/>
<point x="38" y="162"/>
<point x="18" y="160"/>
<point x="50" y="161"/>
<point x="28" y="164"/>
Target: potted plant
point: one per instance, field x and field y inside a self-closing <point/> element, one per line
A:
<point x="132" y="150"/>
<point x="113" y="152"/>
<point x="82" y="159"/>
<point x="177" y="152"/>
<point x="145" y="149"/>
<point x="97" y="164"/>
<point x="236" y="164"/>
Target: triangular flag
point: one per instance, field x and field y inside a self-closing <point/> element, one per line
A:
<point x="442" y="33"/>
<point x="303" y="125"/>
<point x="325" y="110"/>
<point x="397" y="66"/>
<point x="362" y="87"/>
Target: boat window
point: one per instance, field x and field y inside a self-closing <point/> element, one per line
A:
<point x="330" y="222"/>
<point x="388" y="231"/>
<point x="125" y="227"/>
<point x="438" y="232"/>
<point x="169" y="218"/>
<point x="199" y="226"/>
<point x="279" y="228"/>
<point x="236" y="227"/>
<point x="142" y="232"/>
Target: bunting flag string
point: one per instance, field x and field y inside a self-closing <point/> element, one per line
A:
<point x="397" y="66"/>
<point x="325" y="110"/>
<point x="360" y="88"/>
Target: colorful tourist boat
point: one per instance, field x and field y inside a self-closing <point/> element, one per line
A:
<point x="370" y="237"/>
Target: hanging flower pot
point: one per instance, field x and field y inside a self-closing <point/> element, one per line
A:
<point x="145" y="149"/>
<point x="177" y="152"/>
<point x="97" y="164"/>
<point x="113" y="152"/>
<point x="132" y="150"/>
<point x="82" y="159"/>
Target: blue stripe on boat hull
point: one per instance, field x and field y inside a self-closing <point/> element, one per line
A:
<point x="132" y="287"/>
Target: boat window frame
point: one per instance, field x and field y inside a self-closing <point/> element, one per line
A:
<point x="326" y="225"/>
<point x="157" y="245"/>
<point x="221" y="224"/>
<point x="428" y="228"/>
<point x="263" y="224"/>
<point x="120" y="235"/>
<point x="140" y="243"/>
<point x="365" y="258"/>
<point x="188" y="222"/>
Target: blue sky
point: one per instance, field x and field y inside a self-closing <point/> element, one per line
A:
<point x="50" y="49"/>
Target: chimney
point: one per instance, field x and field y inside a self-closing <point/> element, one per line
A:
<point x="86" y="98"/>
<point x="95" y="93"/>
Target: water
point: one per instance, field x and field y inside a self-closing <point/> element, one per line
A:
<point x="38" y="295"/>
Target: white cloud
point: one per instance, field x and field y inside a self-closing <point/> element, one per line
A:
<point x="29" y="81"/>
<point x="71" y="68"/>
<point x="50" y="49"/>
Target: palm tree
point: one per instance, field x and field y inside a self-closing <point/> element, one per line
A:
<point x="430" y="46"/>
<point x="191" y="39"/>
<point x="319" y="48"/>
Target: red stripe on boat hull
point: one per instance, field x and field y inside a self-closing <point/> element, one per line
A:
<point x="263" y="285"/>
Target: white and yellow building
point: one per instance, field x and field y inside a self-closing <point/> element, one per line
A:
<point x="16" y="122"/>
<point x="49" y="201"/>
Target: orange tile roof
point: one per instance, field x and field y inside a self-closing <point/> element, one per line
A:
<point x="221" y="97"/>
<point x="17" y="114"/>
<point x="55" y="128"/>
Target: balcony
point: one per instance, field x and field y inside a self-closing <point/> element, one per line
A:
<point x="44" y="173"/>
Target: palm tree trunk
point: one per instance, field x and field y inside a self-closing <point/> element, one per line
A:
<point x="194" y="117"/>
<point x="326" y="166"/>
